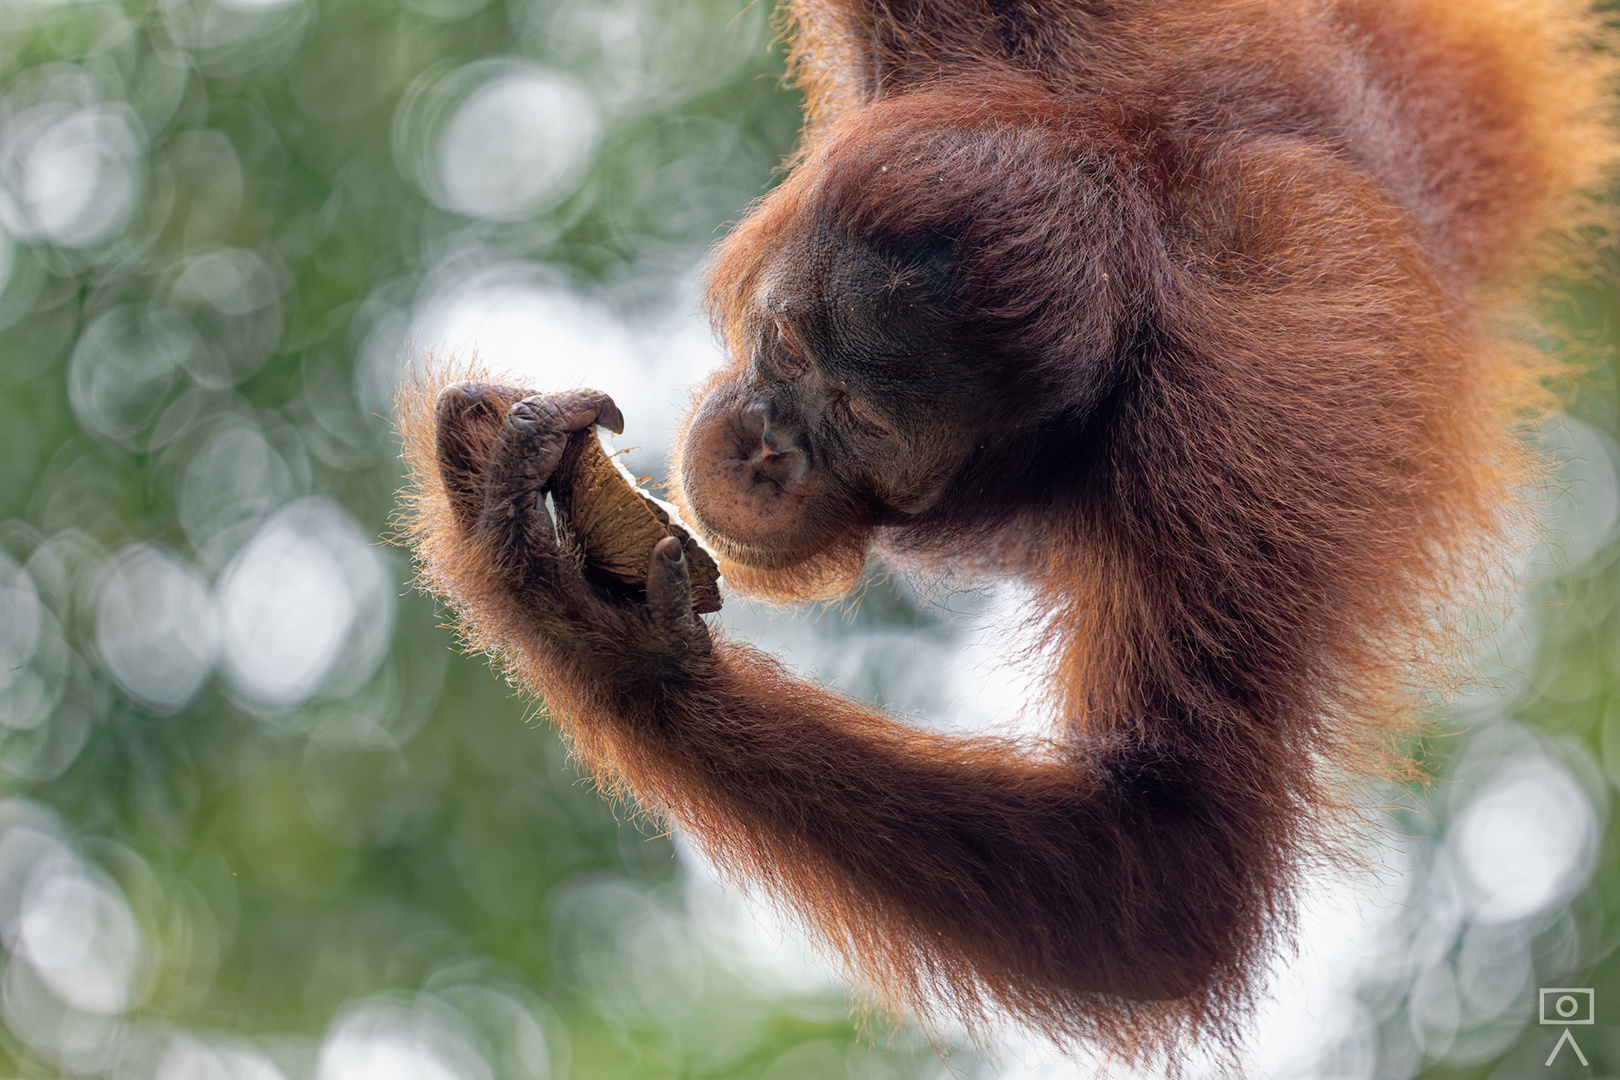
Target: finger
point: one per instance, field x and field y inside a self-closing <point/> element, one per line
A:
<point x="609" y="416"/>
<point x="460" y="448"/>
<point x="532" y="441"/>
<point x="578" y="409"/>
<point x="491" y="399"/>
<point x="533" y="438"/>
<point x="669" y="584"/>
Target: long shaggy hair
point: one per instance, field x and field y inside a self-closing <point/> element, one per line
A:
<point x="1302" y="238"/>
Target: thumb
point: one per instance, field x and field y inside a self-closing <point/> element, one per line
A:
<point x="669" y="584"/>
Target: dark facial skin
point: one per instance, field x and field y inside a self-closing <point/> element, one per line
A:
<point x="825" y="426"/>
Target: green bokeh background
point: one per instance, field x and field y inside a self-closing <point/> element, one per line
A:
<point x="404" y="863"/>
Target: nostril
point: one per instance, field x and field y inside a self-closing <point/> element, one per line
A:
<point x="754" y="419"/>
<point x="771" y="451"/>
<point x="784" y="466"/>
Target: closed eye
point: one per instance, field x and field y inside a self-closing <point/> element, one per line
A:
<point x="863" y="415"/>
<point x="789" y="353"/>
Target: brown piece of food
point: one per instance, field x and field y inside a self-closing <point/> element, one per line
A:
<point x="618" y="524"/>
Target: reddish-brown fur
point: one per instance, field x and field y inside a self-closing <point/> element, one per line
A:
<point x="1284" y="232"/>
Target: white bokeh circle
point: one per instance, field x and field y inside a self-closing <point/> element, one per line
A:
<point x="1526" y="841"/>
<point x="155" y="627"/>
<point x="124" y="367"/>
<point x="305" y="606"/>
<point x="383" y="1039"/>
<point x="66" y="918"/>
<point x="499" y="140"/>
<point x="70" y="174"/>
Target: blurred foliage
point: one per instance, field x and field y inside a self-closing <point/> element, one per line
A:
<point x="260" y="820"/>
